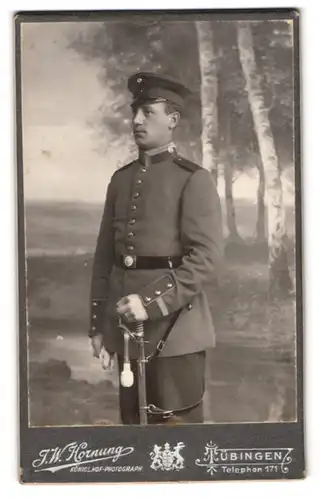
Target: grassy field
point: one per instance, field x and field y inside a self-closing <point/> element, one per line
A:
<point x="250" y="374"/>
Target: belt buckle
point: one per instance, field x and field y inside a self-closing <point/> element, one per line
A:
<point x="129" y="261"/>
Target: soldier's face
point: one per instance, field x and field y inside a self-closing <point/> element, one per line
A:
<point x="152" y="126"/>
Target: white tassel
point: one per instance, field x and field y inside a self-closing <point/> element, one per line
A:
<point x="126" y="376"/>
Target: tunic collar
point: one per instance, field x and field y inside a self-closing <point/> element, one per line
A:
<point x="157" y="154"/>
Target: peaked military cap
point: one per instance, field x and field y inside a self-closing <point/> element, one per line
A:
<point x="157" y="87"/>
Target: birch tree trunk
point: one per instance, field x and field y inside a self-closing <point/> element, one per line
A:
<point x="225" y="123"/>
<point x="280" y="281"/>
<point x="233" y="236"/>
<point x="209" y="91"/>
<point x="260" y="223"/>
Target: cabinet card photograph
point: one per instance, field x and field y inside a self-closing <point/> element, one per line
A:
<point x="158" y="168"/>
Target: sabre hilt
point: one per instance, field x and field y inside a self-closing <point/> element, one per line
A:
<point x="139" y="329"/>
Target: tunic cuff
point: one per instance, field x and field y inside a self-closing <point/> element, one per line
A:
<point x="96" y="317"/>
<point x="152" y="296"/>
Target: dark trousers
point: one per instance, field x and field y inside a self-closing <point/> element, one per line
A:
<point x="173" y="384"/>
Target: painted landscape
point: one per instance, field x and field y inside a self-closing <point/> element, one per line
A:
<point x="250" y="374"/>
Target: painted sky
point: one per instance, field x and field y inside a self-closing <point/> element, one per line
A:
<point x="60" y="95"/>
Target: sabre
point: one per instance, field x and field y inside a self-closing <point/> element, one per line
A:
<point x="127" y="375"/>
<point x="142" y="396"/>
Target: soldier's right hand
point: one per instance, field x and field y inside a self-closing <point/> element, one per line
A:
<point x="96" y="345"/>
<point x="106" y="359"/>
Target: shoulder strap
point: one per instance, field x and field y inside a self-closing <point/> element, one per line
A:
<point x="186" y="164"/>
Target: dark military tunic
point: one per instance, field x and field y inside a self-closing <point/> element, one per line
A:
<point x="158" y="206"/>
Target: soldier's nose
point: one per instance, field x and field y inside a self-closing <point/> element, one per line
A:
<point x="138" y="118"/>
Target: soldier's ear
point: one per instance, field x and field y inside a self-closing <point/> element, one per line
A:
<point x="174" y="119"/>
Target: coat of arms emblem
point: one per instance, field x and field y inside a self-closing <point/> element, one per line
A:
<point x="167" y="459"/>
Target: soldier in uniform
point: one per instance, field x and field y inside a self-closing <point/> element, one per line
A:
<point x="160" y="241"/>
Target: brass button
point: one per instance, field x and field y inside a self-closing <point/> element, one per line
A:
<point x="143" y="169"/>
<point x="94" y="303"/>
<point x="132" y="221"/>
<point x="189" y="307"/>
<point x="130" y="247"/>
<point x="169" y="285"/>
<point x="134" y="207"/>
<point x="130" y="235"/>
<point x="93" y="329"/>
<point x="136" y="195"/>
<point x="139" y="181"/>
<point x="158" y="292"/>
<point x="148" y="299"/>
<point x="94" y="316"/>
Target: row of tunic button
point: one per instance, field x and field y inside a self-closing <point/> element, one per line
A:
<point x="132" y="221"/>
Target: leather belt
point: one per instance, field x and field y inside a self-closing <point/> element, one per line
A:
<point x="142" y="262"/>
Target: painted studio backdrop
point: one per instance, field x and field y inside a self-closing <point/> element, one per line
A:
<point x="76" y="120"/>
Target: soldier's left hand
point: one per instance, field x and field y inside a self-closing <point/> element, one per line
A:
<point x="132" y="308"/>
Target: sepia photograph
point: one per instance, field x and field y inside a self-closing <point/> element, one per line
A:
<point x="160" y="229"/>
<point x="199" y="250"/>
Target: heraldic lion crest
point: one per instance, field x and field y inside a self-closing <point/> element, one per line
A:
<point x="167" y="459"/>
